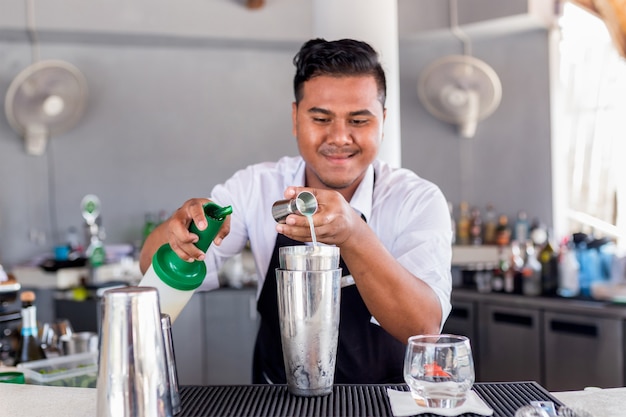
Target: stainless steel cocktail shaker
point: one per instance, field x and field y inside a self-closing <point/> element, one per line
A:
<point x="133" y="378"/>
<point x="170" y="360"/>
<point x="309" y="293"/>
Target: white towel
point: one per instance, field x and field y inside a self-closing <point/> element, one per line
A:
<point x="403" y="404"/>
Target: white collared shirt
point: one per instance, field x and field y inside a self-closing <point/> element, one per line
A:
<point x="408" y="214"/>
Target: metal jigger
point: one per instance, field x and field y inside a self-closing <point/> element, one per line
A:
<point x="304" y="204"/>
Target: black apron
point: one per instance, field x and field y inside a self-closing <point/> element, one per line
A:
<point x="366" y="353"/>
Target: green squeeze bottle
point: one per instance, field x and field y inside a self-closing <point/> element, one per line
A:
<point x="176" y="279"/>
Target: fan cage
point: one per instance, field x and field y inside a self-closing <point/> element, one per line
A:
<point x="462" y="72"/>
<point x="53" y="125"/>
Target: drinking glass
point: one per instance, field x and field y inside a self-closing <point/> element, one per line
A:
<point x="439" y="369"/>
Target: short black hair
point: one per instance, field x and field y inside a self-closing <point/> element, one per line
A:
<point x="344" y="57"/>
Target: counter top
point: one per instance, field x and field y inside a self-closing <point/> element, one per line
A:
<point x="44" y="401"/>
<point x="608" y="402"/>
<point x="557" y="304"/>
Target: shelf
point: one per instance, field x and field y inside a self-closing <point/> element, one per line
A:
<point x="471" y="255"/>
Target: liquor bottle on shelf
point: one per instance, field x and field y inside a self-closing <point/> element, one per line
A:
<point x="568" y="270"/>
<point x="521" y="227"/>
<point x="490" y="225"/>
<point x="484" y="277"/>
<point x="463" y="224"/>
<point x="549" y="260"/>
<point x="513" y="279"/>
<point x="500" y="271"/>
<point x="503" y="231"/>
<point x="588" y="260"/>
<point x="30" y="347"/>
<point x="531" y="272"/>
<point x="476" y="227"/>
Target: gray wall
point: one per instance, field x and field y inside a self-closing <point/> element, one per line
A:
<point x="508" y="162"/>
<point x="180" y="99"/>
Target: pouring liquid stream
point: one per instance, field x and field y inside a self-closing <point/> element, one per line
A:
<point x="308" y="210"/>
<point x="310" y="219"/>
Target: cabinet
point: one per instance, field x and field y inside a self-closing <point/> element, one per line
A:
<point x="510" y="343"/>
<point x="231" y="328"/>
<point x="214" y="337"/>
<point x="562" y="344"/>
<point x="189" y="339"/>
<point x="581" y="348"/>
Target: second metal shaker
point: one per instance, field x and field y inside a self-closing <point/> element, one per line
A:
<point x="166" y="325"/>
<point x="133" y="377"/>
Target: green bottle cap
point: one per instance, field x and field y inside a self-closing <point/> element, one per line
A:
<point x="183" y="275"/>
<point x="12" y="377"/>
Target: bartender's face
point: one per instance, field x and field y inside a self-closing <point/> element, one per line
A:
<point x="339" y="127"/>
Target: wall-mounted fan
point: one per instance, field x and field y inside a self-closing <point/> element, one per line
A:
<point x="460" y="89"/>
<point x="45" y="99"/>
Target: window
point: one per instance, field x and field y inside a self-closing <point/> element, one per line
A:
<point x="590" y="129"/>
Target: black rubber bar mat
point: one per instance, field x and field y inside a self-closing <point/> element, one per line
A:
<point x="345" y="400"/>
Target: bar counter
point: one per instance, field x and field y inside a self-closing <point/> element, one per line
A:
<point x="259" y="400"/>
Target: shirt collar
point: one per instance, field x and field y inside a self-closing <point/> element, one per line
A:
<point x="299" y="177"/>
<point x="362" y="198"/>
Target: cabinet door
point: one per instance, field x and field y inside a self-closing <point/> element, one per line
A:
<point x="582" y="351"/>
<point x="462" y="321"/>
<point x="510" y="344"/>
<point x="231" y="328"/>
<point x="189" y="342"/>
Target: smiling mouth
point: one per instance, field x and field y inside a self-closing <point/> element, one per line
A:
<point x="338" y="155"/>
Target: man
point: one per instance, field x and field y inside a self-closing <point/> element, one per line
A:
<point x="392" y="227"/>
